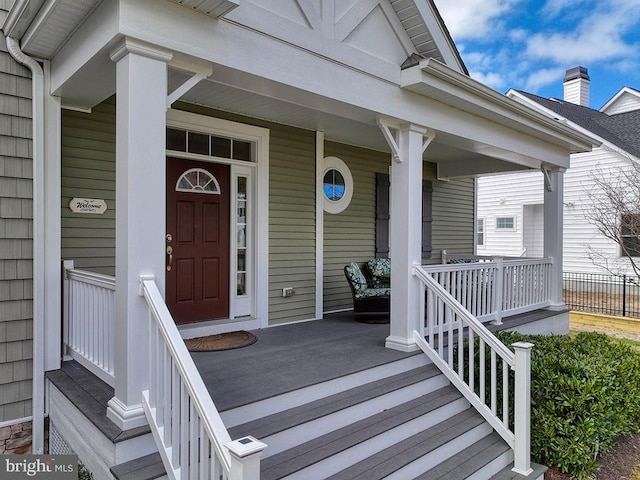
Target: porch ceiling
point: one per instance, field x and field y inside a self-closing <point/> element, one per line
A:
<point x="339" y="122"/>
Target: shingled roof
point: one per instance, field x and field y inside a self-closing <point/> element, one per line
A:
<point x="622" y="129"/>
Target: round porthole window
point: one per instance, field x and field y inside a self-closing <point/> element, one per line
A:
<point x="337" y="185"/>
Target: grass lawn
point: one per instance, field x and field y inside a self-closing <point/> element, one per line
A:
<point x="624" y="341"/>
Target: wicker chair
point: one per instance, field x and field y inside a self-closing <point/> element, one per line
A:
<point x="368" y="301"/>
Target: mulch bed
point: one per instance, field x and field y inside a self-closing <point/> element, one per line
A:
<point x="620" y="463"/>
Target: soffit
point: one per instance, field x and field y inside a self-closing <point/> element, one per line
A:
<point x="53" y="25"/>
<point x="357" y="127"/>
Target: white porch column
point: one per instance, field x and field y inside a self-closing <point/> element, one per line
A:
<point x="406" y="237"/>
<point x="141" y="96"/>
<point x="553" y="213"/>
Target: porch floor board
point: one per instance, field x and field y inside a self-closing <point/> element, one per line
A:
<point x="289" y="357"/>
<point x="293" y="356"/>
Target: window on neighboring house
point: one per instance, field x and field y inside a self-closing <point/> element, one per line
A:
<point x="505" y="223"/>
<point x="480" y="232"/>
<point x="630" y="234"/>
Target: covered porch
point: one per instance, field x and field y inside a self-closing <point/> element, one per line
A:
<point x="287" y="367"/>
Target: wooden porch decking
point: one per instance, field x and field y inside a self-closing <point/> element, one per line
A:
<point x="289" y="357"/>
<point x="285" y="358"/>
<point x="293" y="356"/>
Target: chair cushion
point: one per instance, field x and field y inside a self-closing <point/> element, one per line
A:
<point x="463" y="260"/>
<point x="356" y="277"/>
<point x="373" y="292"/>
<point x="379" y="266"/>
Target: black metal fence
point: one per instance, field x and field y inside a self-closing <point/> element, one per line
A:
<point x="600" y="293"/>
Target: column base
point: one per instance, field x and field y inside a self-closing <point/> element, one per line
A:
<point x="401" y="344"/>
<point x="557" y="307"/>
<point x="124" y="416"/>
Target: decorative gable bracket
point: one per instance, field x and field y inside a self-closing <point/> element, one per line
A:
<point x="546" y="173"/>
<point x="213" y="8"/>
<point x="199" y="72"/>
<point x="391" y="134"/>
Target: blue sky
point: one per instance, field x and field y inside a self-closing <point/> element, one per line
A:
<point x="529" y="44"/>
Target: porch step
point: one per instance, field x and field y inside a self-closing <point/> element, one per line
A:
<point x="405" y="422"/>
<point x="419" y="420"/>
<point x="508" y="474"/>
<point x="149" y="467"/>
<point x="300" y="424"/>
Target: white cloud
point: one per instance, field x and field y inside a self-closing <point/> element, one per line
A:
<point x="494" y="80"/>
<point x="528" y="44"/>
<point x="472" y="18"/>
<point x="553" y="8"/>
<point x="593" y="41"/>
<point x="543" y="77"/>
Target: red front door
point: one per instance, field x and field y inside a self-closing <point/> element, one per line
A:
<point x="197" y="240"/>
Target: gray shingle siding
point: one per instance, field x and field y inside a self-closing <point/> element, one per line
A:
<point x="16" y="238"/>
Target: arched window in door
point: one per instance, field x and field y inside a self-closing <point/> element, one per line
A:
<point x="198" y="180"/>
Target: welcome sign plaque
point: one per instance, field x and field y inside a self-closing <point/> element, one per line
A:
<point x="95" y="206"/>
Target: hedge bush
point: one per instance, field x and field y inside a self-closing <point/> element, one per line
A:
<point x="584" y="395"/>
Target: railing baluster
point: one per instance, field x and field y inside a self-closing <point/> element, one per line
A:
<point x="185" y="438"/>
<point x="175" y="414"/>
<point x="460" y="342"/>
<point x="205" y="452"/>
<point x="166" y="395"/>
<point x="449" y="341"/>
<point x="194" y="442"/>
<point x="505" y="394"/>
<point x="494" y="383"/>
<point x="472" y="365"/>
<point x="483" y="387"/>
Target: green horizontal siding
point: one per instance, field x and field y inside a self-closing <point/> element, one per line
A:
<point x="292" y="223"/>
<point x="453" y="217"/>
<point x="350" y="235"/>
<point x="89" y="171"/>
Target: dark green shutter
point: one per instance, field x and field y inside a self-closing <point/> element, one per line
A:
<point x="382" y="216"/>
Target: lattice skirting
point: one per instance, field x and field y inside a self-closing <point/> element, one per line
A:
<point x="57" y="444"/>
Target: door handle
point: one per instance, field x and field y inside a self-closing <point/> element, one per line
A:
<point x="170" y="253"/>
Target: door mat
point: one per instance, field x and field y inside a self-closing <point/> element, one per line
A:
<point x="221" y="341"/>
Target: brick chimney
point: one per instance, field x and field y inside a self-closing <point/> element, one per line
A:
<point x="576" y="86"/>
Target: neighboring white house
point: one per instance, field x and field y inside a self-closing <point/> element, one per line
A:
<point x="510" y="213"/>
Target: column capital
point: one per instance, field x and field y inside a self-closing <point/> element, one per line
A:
<point x="414" y="128"/>
<point x="131" y="45"/>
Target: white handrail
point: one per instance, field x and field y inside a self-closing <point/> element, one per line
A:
<point x="193" y="440"/>
<point x="446" y="317"/>
<point x="89" y="319"/>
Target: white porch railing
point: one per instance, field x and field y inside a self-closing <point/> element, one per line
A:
<point x="191" y="437"/>
<point x="494" y="379"/>
<point x="88" y="320"/>
<point x="492" y="288"/>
